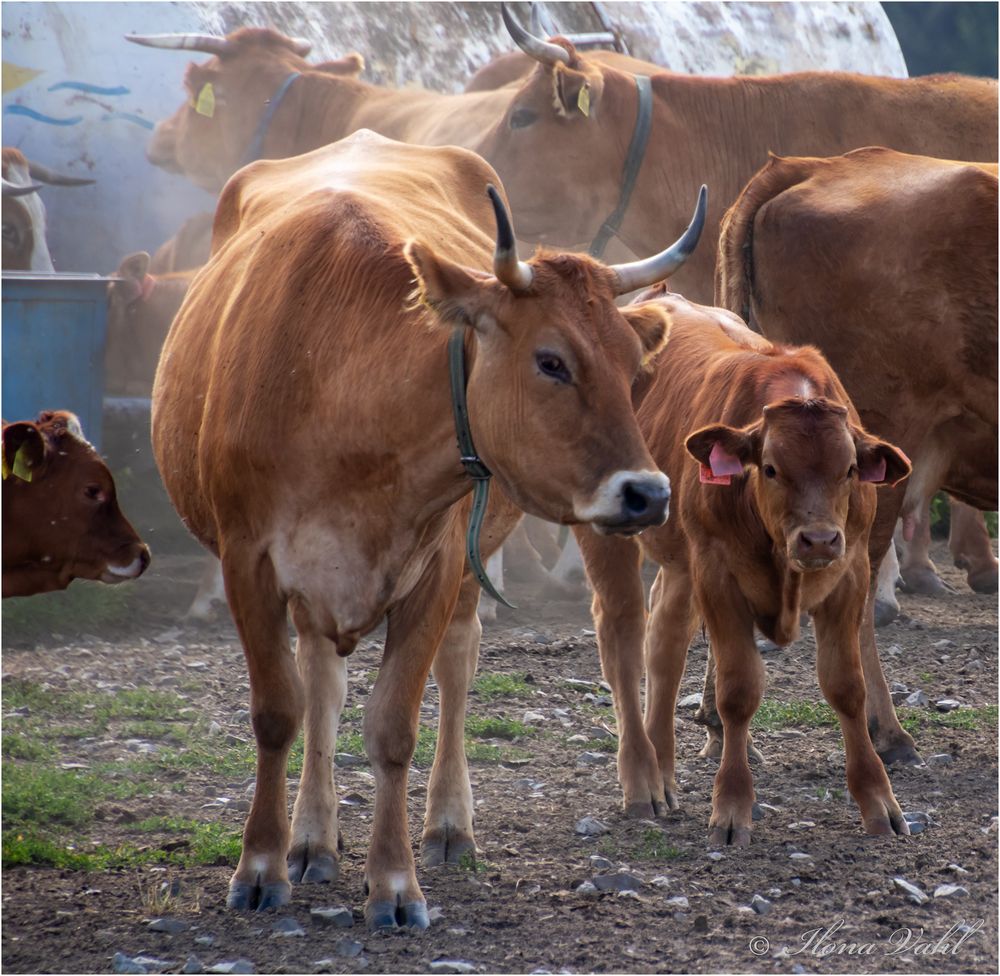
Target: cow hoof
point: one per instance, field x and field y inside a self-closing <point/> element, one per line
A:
<point x="712" y="749"/>
<point x="885" y="612"/>
<point x="983" y="582"/>
<point x="923" y="582"/>
<point x="248" y="897"/>
<point x="389" y="915"/>
<point x="314" y="866"/>
<point x="448" y="846"/>
<point x="890" y="824"/>
<point x="731" y="836"/>
<point x="904" y="753"/>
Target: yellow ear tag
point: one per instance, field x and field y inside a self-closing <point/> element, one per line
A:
<point x="206" y="101"/>
<point x="4" y="467"/>
<point x="583" y="101"/>
<point x="21" y="469"/>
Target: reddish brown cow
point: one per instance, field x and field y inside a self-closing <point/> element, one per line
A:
<point x="773" y="499"/>
<point x="61" y="519"/>
<point x="888" y="263"/>
<point x="343" y="509"/>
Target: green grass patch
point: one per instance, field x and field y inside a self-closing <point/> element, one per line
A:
<point x="498" y="684"/>
<point x="84" y="607"/>
<point x="38" y="796"/>
<point x="496" y="728"/>
<point x="26" y="747"/>
<point x="598" y="745"/>
<point x="778" y="715"/>
<point x="651" y="846"/>
<point x="971" y="719"/>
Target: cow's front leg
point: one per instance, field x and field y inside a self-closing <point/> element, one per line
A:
<point x="838" y="665"/>
<point x="613" y="567"/>
<point x="315" y="845"/>
<point x="416" y="626"/>
<point x="261" y="878"/>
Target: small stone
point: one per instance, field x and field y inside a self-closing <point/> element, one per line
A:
<point x="349" y="948"/>
<point x="193" y="965"/>
<point x="917" y="700"/>
<point x="599" y="863"/>
<point x="679" y="902"/>
<point x="578" y="738"/>
<point x="236" y="966"/>
<point x="531" y="718"/>
<point x="700" y="923"/>
<point x="452" y="966"/>
<point x="950" y="890"/>
<point x="943" y="645"/>
<point x="593" y="759"/>
<point x="802" y="825"/>
<point x="591" y="827"/>
<point x="205" y="940"/>
<point x="152" y="965"/>
<point x="760" y="905"/>
<point x="971" y="666"/>
<point x="580" y="684"/>
<point x="910" y="890"/>
<point x="344" y="760"/>
<point x="756" y="812"/>
<point x="121" y="963"/>
<point x="947" y="705"/>
<point x="601" y="733"/>
<point x="799" y="856"/>
<point x="287" y="927"/>
<point x="916" y="816"/>
<point x="169" y="925"/>
<point x="690" y="701"/>
<point x="214" y="728"/>
<point x="957" y="869"/>
<point x="940" y="759"/>
<point x="435" y="914"/>
<point x="617" y="882"/>
<point x="898" y="686"/>
<point x="587" y="888"/>
<point x="715" y="855"/>
<point x="339" y="917"/>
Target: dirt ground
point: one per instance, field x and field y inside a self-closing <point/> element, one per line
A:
<point x="833" y="908"/>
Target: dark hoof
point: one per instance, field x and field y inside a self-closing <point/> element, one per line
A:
<point x="923" y="582"/>
<point x="315" y="866"/>
<point x="389" y="915"/>
<point x="885" y="612"/>
<point x="904" y="753"/>
<point x="891" y="825"/>
<point x="638" y="810"/>
<point x="729" y="837"/>
<point x="448" y="846"/>
<point x="983" y="582"/>
<point x="246" y="897"/>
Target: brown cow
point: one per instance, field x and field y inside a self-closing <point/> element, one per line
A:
<point x="888" y="263"/>
<point x="187" y="250"/>
<point x="773" y="500"/>
<point x="61" y="519"/>
<point x="343" y="508"/>
<point x="24" y="244"/>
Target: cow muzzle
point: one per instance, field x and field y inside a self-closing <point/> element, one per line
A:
<point x="114" y="573"/>
<point x="627" y="502"/>
<point x="815" y="547"/>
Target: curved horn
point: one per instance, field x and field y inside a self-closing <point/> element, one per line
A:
<point x="19" y="189"/>
<point x="515" y="274"/>
<point x="46" y="175"/>
<point x="540" y="50"/>
<point x="300" y="46"/>
<point x="639" y="274"/>
<point x="207" y="43"/>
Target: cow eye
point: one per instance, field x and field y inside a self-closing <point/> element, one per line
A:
<point x="551" y="365"/>
<point x="93" y="493"/>
<point x="520" y="118"/>
<point x="769" y="471"/>
<point x="852" y="471"/>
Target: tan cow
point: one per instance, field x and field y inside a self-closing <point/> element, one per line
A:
<point x="773" y="500"/>
<point x="187" y="249"/>
<point x="61" y="519"/>
<point x="303" y="425"/>
<point x="888" y="263"/>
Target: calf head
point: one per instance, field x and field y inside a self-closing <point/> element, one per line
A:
<point x="61" y="519"/>
<point x="550" y="386"/>
<point x="806" y="463"/>
<point x="207" y="139"/>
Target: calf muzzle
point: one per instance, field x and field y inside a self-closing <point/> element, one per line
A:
<point x="816" y="547"/>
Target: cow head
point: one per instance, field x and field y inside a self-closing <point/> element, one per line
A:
<point x="550" y="386"/>
<point x="61" y="519"/>
<point x="207" y="139"/>
<point x="807" y="462"/>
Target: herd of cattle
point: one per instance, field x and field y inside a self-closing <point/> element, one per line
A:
<point x="296" y="351"/>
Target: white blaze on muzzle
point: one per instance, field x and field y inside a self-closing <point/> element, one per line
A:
<point x="627" y="501"/>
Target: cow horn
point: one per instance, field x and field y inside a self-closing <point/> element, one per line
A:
<point x="639" y="274"/>
<point x="515" y="274"/>
<point x="46" y="175"/>
<point x="19" y="189"/>
<point x="207" y="43"/>
<point x="538" y="49"/>
<point x="300" y="46"/>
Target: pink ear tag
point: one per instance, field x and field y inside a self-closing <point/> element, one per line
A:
<point x="706" y="477"/>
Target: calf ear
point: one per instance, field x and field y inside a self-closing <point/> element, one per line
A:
<point x="24" y="448"/>
<point x="879" y="462"/>
<point x="456" y="295"/>
<point x="724" y="450"/>
<point x="652" y="323"/>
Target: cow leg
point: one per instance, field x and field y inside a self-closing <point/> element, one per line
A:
<point x="210" y="591"/>
<point x="707" y="714"/>
<point x="971" y="548"/>
<point x="313" y="855"/>
<point x="487" y="605"/>
<point x="448" y="834"/>
<point x="619" y="608"/>
<point x="668" y="633"/>
<point x="919" y="573"/>
<point x="838" y="665"/>
<point x="261" y="878"/>
<point x="886" y="604"/>
<point x="416" y="626"/>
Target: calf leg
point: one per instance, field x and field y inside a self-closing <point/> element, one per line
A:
<point x="613" y="567"/>
<point x="416" y="626"/>
<point x="708" y="715"/>
<point x="971" y="548"/>
<point x="315" y="844"/>
<point x="261" y="878"/>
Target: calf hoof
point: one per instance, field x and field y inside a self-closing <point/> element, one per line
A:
<point x="712" y="749"/>
<point x="983" y="582"/>
<point x="889" y="823"/>
<point x="448" y="845"/>
<point x="901" y="752"/>
<point x="729" y="836"/>
<point x="924" y="582"/>
<point x="391" y="915"/>
<point x="246" y="896"/>
<point x="885" y="612"/>
<point x="312" y="865"/>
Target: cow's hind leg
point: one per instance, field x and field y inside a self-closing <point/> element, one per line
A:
<point x="261" y="878"/>
<point x="707" y="714"/>
<point x="969" y="541"/>
<point x="313" y="855"/>
<point x="448" y="835"/>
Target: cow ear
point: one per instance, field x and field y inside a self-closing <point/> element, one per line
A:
<point x="456" y="295"/>
<point x="576" y="93"/>
<point x="652" y="323"/>
<point x="348" y="66"/>
<point x="879" y="462"/>
<point x="134" y="266"/>
<point x="725" y="450"/>
<point x="24" y="451"/>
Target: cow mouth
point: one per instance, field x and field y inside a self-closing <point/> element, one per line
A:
<point x="119" y="574"/>
<point x="812" y="565"/>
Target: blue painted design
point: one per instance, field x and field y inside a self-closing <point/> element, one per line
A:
<point x="38" y="117"/>
<point x="129" y="117"/>
<point x="91" y="89"/>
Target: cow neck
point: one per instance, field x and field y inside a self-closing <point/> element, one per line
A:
<point x="257" y="142"/>
<point x="633" y="163"/>
<point x="474" y="466"/>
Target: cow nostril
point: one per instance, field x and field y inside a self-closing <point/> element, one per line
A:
<point x="819" y="538"/>
<point x="636" y="500"/>
<point x="642" y="499"/>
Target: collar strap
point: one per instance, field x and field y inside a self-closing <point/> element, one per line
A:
<point x="474" y="466"/>
<point x="257" y="143"/>
<point x="633" y="163"/>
